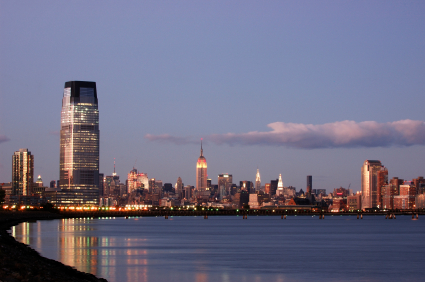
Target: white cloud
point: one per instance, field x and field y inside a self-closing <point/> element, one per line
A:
<point x="341" y="134"/>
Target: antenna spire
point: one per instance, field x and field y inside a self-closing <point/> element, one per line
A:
<point x="114" y="169"/>
<point x="202" y="151"/>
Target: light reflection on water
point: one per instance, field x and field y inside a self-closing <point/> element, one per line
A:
<point x="231" y="249"/>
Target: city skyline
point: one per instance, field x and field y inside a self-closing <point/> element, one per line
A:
<point x="287" y="88"/>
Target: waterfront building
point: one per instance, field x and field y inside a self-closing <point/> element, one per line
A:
<point x="419" y="184"/>
<point x="22" y="172"/>
<point x="53" y="184"/>
<point x="201" y="172"/>
<point x="406" y="199"/>
<point x="388" y="192"/>
<point x="354" y="202"/>
<point x="371" y="182"/>
<point x="257" y="181"/>
<point x="79" y="145"/>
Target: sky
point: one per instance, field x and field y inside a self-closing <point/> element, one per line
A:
<point x="289" y="87"/>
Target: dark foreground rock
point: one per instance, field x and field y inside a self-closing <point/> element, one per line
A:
<point x="18" y="262"/>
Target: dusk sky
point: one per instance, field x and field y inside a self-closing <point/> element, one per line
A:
<point x="292" y="87"/>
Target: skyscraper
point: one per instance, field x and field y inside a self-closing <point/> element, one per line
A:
<point x="201" y="172"/>
<point x="225" y="180"/>
<point x="309" y="184"/>
<point x="79" y="145"/>
<point x="22" y="172"/>
<point x="257" y="181"/>
<point x="371" y="183"/>
<point x="279" y="191"/>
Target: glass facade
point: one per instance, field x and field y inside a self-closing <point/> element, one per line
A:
<point x="79" y="145"/>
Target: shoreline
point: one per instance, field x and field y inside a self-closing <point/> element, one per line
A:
<point x="19" y="262"/>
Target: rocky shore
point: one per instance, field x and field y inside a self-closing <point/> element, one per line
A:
<point x="18" y="262"/>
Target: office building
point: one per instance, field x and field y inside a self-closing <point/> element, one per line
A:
<point x="257" y="181"/>
<point x="371" y="183"/>
<point x="22" y="172"/>
<point x="201" y="172"/>
<point x="79" y="145"/>
<point x="225" y="180"/>
<point x="279" y="191"/>
<point x="309" y="184"/>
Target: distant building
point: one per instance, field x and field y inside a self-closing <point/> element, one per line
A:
<point x="39" y="182"/>
<point x="22" y="172"/>
<point x="179" y="187"/>
<point x="257" y="181"/>
<point x="225" y="180"/>
<point x="406" y="199"/>
<point x="354" y="202"/>
<point x="267" y="188"/>
<point x="273" y="187"/>
<point x="279" y="191"/>
<point x="201" y="172"/>
<point x="309" y="184"/>
<point x="246" y="186"/>
<point x="136" y="180"/>
<point x="53" y="184"/>
<point x="371" y="183"/>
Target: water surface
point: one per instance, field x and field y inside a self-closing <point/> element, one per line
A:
<point x="229" y="248"/>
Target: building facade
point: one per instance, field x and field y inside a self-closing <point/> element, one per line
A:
<point x="201" y="172"/>
<point x="22" y="172"/>
<point x="371" y="182"/>
<point x="257" y="181"/>
<point x="309" y="184"/>
<point x="79" y="145"/>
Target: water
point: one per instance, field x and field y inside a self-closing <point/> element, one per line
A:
<point x="228" y="248"/>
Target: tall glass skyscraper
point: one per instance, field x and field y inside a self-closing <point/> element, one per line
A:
<point x="79" y="145"/>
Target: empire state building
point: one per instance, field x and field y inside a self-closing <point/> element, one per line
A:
<point x="201" y="172"/>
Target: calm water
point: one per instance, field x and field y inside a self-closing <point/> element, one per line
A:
<point x="225" y="248"/>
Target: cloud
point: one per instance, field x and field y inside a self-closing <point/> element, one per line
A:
<point x="166" y="138"/>
<point x="3" y="138"/>
<point x="341" y="134"/>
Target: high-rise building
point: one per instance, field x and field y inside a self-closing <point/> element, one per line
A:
<point x="225" y="180"/>
<point x="79" y="145"/>
<point x="201" y="172"/>
<point x="279" y="191"/>
<point x="22" y="172"/>
<point x="246" y="186"/>
<point x="371" y="182"/>
<point x="273" y="187"/>
<point x="136" y="180"/>
<point x="309" y="184"/>
<point x="179" y="187"/>
<point x="101" y="179"/>
<point x="257" y="181"/>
